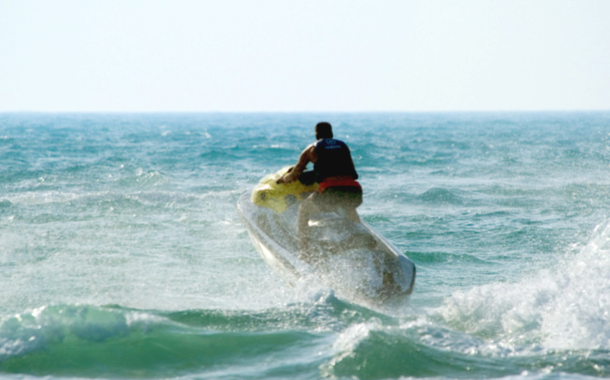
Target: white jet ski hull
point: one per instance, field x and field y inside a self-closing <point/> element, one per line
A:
<point x="362" y="265"/>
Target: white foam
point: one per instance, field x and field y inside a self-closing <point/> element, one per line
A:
<point x="347" y="342"/>
<point x="566" y="306"/>
<point x="45" y="197"/>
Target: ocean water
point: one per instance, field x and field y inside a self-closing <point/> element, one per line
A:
<point x="122" y="256"/>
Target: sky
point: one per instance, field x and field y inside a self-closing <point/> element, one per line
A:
<point x="304" y="55"/>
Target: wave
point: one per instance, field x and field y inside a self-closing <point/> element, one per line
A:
<point x="441" y="195"/>
<point x="421" y="349"/>
<point x="139" y="199"/>
<point x="323" y="338"/>
<point x="562" y="307"/>
<point x="443" y="257"/>
<point x="111" y="341"/>
<point x="96" y="341"/>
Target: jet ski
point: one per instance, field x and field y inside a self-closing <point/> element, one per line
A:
<point x="349" y="257"/>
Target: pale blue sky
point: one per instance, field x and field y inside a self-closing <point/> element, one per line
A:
<point x="308" y="55"/>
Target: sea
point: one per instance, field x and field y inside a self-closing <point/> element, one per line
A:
<point x="122" y="255"/>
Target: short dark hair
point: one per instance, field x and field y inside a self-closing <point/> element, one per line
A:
<point x="324" y="130"/>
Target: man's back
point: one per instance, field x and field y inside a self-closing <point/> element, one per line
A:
<point x="334" y="160"/>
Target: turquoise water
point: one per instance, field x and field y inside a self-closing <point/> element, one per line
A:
<point x="121" y="254"/>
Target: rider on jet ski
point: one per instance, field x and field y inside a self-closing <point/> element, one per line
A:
<point x="336" y="176"/>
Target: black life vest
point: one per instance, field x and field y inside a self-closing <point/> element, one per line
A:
<point x="334" y="159"/>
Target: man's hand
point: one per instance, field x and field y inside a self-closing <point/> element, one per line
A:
<point x="308" y="155"/>
<point x="287" y="177"/>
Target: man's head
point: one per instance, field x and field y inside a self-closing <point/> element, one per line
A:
<point x="324" y="131"/>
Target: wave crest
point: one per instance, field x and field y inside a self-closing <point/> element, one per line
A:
<point x="566" y="306"/>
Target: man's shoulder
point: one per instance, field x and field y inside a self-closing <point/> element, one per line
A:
<point x="330" y="143"/>
<point x="311" y="146"/>
<point x="309" y="149"/>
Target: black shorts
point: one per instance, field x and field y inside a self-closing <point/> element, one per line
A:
<point x="347" y="197"/>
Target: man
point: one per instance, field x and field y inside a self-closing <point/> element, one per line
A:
<point x="336" y="176"/>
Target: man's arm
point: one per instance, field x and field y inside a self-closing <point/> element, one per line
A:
<point x="308" y="155"/>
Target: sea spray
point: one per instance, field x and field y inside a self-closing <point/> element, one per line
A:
<point x="564" y="306"/>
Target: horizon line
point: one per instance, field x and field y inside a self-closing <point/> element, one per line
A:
<point x="310" y="112"/>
